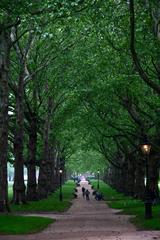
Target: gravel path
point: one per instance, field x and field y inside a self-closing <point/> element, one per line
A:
<point x="88" y="220"/>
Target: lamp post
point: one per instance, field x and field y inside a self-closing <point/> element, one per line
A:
<point x="60" y="184"/>
<point x="98" y="179"/>
<point x="145" y="148"/>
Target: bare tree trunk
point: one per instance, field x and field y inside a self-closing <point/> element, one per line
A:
<point x="56" y="169"/>
<point x="4" y="68"/>
<point x="31" y="164"/>
<point x="52" y="176"/>
<point x="122" y="178"/>
<point x="139" y="177"/>
<point x="19" y="186"/>
<point x="154" y="174"/>
<point x="45" y="166"/>
<point x="53" y="157"/>
<point x="130" y="181"/>
<point x="31" y="114"/>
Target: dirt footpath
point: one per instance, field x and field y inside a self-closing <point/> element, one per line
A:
<point x="88" y="220"/>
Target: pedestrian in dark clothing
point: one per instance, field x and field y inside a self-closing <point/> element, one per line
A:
<point x="83" y="191"/>
<point x="87" y="194"/>
<point x="94" y="192"/>
<point x="77" y="184"/>
<point x="99" y="196"/>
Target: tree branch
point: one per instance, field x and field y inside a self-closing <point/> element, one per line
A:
<point x="134" y="55"/>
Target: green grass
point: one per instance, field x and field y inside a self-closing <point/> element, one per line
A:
<point x="10" y="190"/>
<point x="130" y="206"/>
<point x="108" y="192"/>
<point x="52" y="203"/>
<point x="11" y="224"/>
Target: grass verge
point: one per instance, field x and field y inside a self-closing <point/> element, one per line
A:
<point x="52" y="203"/>
<point x="130" y="206"/>
<point x="13" y="224"/>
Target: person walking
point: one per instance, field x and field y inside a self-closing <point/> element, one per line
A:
<point x="87" y="193"/>
<point x="83" y="191"/>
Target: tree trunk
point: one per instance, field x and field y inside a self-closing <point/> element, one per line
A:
<point x="4" y="68"/>
<point x="122" y="178"/>
<point x="130" y="176"/>
<point x="139" y="177"/>
<point x="142" y="73"/>
<point x="45" y="166"/>
<point x="19" y="186"/>
<point x="31" y="115"/>
<point x="53" y="185"/>
<point x="31" y="164"/>
<point x="154" y="174"/>
<point x="56" y="178"/>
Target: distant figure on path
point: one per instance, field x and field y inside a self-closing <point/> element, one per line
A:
<point x="77" y="184"/>
<point x="87" y="194"/>
<point x="94" y="192"/>
<point x="98" y="196"/>
<point x="83" y="191"/>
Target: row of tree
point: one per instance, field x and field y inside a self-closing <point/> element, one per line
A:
<point x="78" y="78"/>
<point x="118" y="92"/>
<point x="33" y="41"/>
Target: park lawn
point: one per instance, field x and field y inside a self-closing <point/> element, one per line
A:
<point x="108" y="192"/>
<point x="130" y="206"/>
<point x="52" y="203"/>
<point x="12" y="224"/>
<point x="10" y="190"/>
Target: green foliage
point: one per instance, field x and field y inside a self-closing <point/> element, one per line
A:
<point x="13" y="224"/>
<point x="83" y="161"/>
<point x="80" y="57"/>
